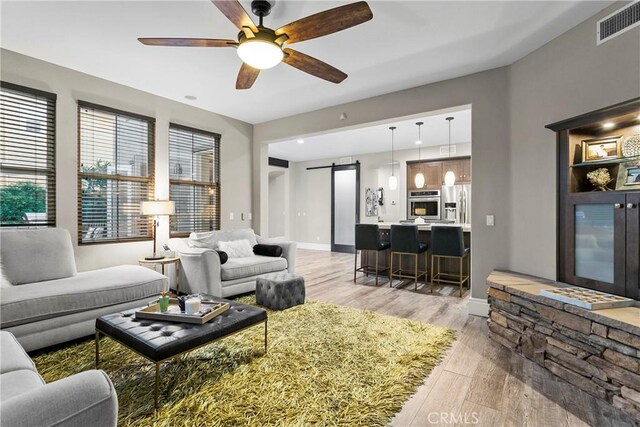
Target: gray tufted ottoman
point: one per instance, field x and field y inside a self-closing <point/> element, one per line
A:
<point x="280" y="290"/>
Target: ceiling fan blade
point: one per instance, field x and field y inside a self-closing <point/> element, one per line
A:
<point x="313" y="66"/>
<point x="187" y="42"/>
<point x="327" y="22"/>
<point x="234" y="11"/>
<point x="246" y="77"/>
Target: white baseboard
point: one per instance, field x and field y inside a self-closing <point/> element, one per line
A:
<point x="315" y="246"/>
<point x="478" y="307"/>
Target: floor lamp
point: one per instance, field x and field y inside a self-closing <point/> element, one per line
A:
<point x="156" y="208"/>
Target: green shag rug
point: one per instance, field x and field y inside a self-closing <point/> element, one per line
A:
<point x="326" y="365"/>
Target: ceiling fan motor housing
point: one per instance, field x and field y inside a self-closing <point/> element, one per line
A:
<point x="261" y="8"/>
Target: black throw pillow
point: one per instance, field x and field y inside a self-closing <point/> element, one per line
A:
<point x="268" y="250"/>
<point x="223" y="256"/>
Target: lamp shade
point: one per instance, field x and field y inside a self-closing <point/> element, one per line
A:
<point x="449" y="178"/>
<point x="157" y="207"/>
<point x="419" y="179"/>
<point x="260" y="54"/>
<point x="393" y="182"/>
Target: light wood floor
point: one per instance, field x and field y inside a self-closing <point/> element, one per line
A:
<point x="478" y="382"/>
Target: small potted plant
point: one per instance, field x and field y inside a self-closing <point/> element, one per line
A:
<point x="600" y="178"/>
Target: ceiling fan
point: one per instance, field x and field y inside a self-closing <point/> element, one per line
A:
<point x="260" y="47"/>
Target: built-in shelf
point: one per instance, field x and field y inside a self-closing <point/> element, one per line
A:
<point x="606" y="162"/>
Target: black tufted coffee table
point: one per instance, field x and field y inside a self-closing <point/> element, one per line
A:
<point x="160" y="341"/>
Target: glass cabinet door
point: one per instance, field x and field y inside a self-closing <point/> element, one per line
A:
<point x="598" y="242"/>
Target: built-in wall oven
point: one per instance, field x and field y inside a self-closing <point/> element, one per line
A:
<point x="424" y="204"/>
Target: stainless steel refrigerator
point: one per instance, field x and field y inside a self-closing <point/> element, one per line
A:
<point x="456" y="203"/>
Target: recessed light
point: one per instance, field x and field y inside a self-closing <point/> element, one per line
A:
<point x="608" y="125"/>
<point x="418" y="142"/>
<point x="301" y="141"/>
<point x="190" y="97"/>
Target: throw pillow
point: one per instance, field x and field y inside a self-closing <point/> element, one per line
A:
<point x="223" y="257"/>
<point x="4" y="282"/>
<point x="268" y="250"/>
<point x="236" y="248"/>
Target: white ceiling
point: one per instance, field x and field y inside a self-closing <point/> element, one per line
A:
<point x="407" y="44"/>
<point x="377" y="138"/>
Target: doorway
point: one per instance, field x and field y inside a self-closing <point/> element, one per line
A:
<point x="345" y="206"/>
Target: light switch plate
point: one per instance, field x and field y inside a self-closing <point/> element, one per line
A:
<point x="490" y="220"/>
<point x="231" y="216"/>
<point x="250" y="216"/>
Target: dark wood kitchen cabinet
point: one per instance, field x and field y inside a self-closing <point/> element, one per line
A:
<point x="598" y="240"/>
<point x="433" y="175"/>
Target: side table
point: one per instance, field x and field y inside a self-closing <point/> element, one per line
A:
<point x="163" y="262"/>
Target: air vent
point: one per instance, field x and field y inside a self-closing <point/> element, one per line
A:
<point x="345" y="160"/>
<point x="618" y="22"/>
<point x="444" y="150"/>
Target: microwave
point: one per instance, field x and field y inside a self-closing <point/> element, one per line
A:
<point x="424" y="204"/>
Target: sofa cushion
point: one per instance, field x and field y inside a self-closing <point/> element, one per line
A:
<point x="30" y="256"/>
<point x="210" y="239"/>
<point x="18" y="382"/>
<point x="85" y="291"/>
<point x="13" y="357"/>
<point x="237" y="268"/>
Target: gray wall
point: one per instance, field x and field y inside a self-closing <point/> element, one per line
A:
<point x="311" y="206"/>
<point x="569" y="76"/>
<point x="277" y="197"/>
<point x="71" y="86"/>
<point x="487" y="92"/>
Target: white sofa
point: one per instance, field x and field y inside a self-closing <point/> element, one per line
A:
<point x="45" y="301"/>
<point x="84" y="399"/>
<point x="202" y="272"/>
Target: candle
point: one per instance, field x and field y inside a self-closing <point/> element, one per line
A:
<point x="192" y="306"/>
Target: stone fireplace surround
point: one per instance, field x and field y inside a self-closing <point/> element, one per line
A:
<point x="597" y="351"/>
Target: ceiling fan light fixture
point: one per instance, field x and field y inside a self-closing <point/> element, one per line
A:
<point x="259" y="53"/>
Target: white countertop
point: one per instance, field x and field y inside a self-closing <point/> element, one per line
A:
<point x="425" y="227"/>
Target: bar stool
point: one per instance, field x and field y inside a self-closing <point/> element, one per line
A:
<point x="405" y="240"/>
<point x="448" y="242"/>
<point x="368" y="239"/>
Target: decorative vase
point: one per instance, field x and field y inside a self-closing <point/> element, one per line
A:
<point x="164" y="303"/>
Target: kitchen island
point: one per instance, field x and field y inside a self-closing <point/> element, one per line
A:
<point x="450" y="266"/>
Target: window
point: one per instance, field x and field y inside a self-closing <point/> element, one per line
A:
<point x="27" y="157"/>
<point x="115" y="173"/>
<point x="194" y="180"/>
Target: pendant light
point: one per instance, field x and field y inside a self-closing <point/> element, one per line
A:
<point x="449" y="177"/>
<point x="419" y="179"/>
<point x="393" y="181"/>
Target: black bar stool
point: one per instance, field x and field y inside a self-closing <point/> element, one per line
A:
<point x="368" y="239"/>
<point x="448" y="242"/>
<point x="405" y="240"/>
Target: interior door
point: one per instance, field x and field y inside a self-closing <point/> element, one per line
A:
<point x="345" y="206"/>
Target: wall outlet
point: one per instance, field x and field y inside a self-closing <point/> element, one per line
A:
<point x="490" y="220"/>
<point x="304" y="214"/>
<point x="318" y="238"/>
<point x="231" y="216"/>
<point x="250" y="216"/>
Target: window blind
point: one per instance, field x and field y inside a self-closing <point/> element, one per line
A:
<point x="194" y="180"/>
<point x="115" y="174"/>
<point x="27" y="157"/>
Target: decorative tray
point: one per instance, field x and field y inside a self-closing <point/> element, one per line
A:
<point x="587" y="298"/>
<point x="208" y="310"/>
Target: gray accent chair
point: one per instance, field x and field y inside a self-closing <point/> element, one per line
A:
<point x="45" y="301"/>
<point x="202" y="272"/>
<point x="84" y="399"/>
